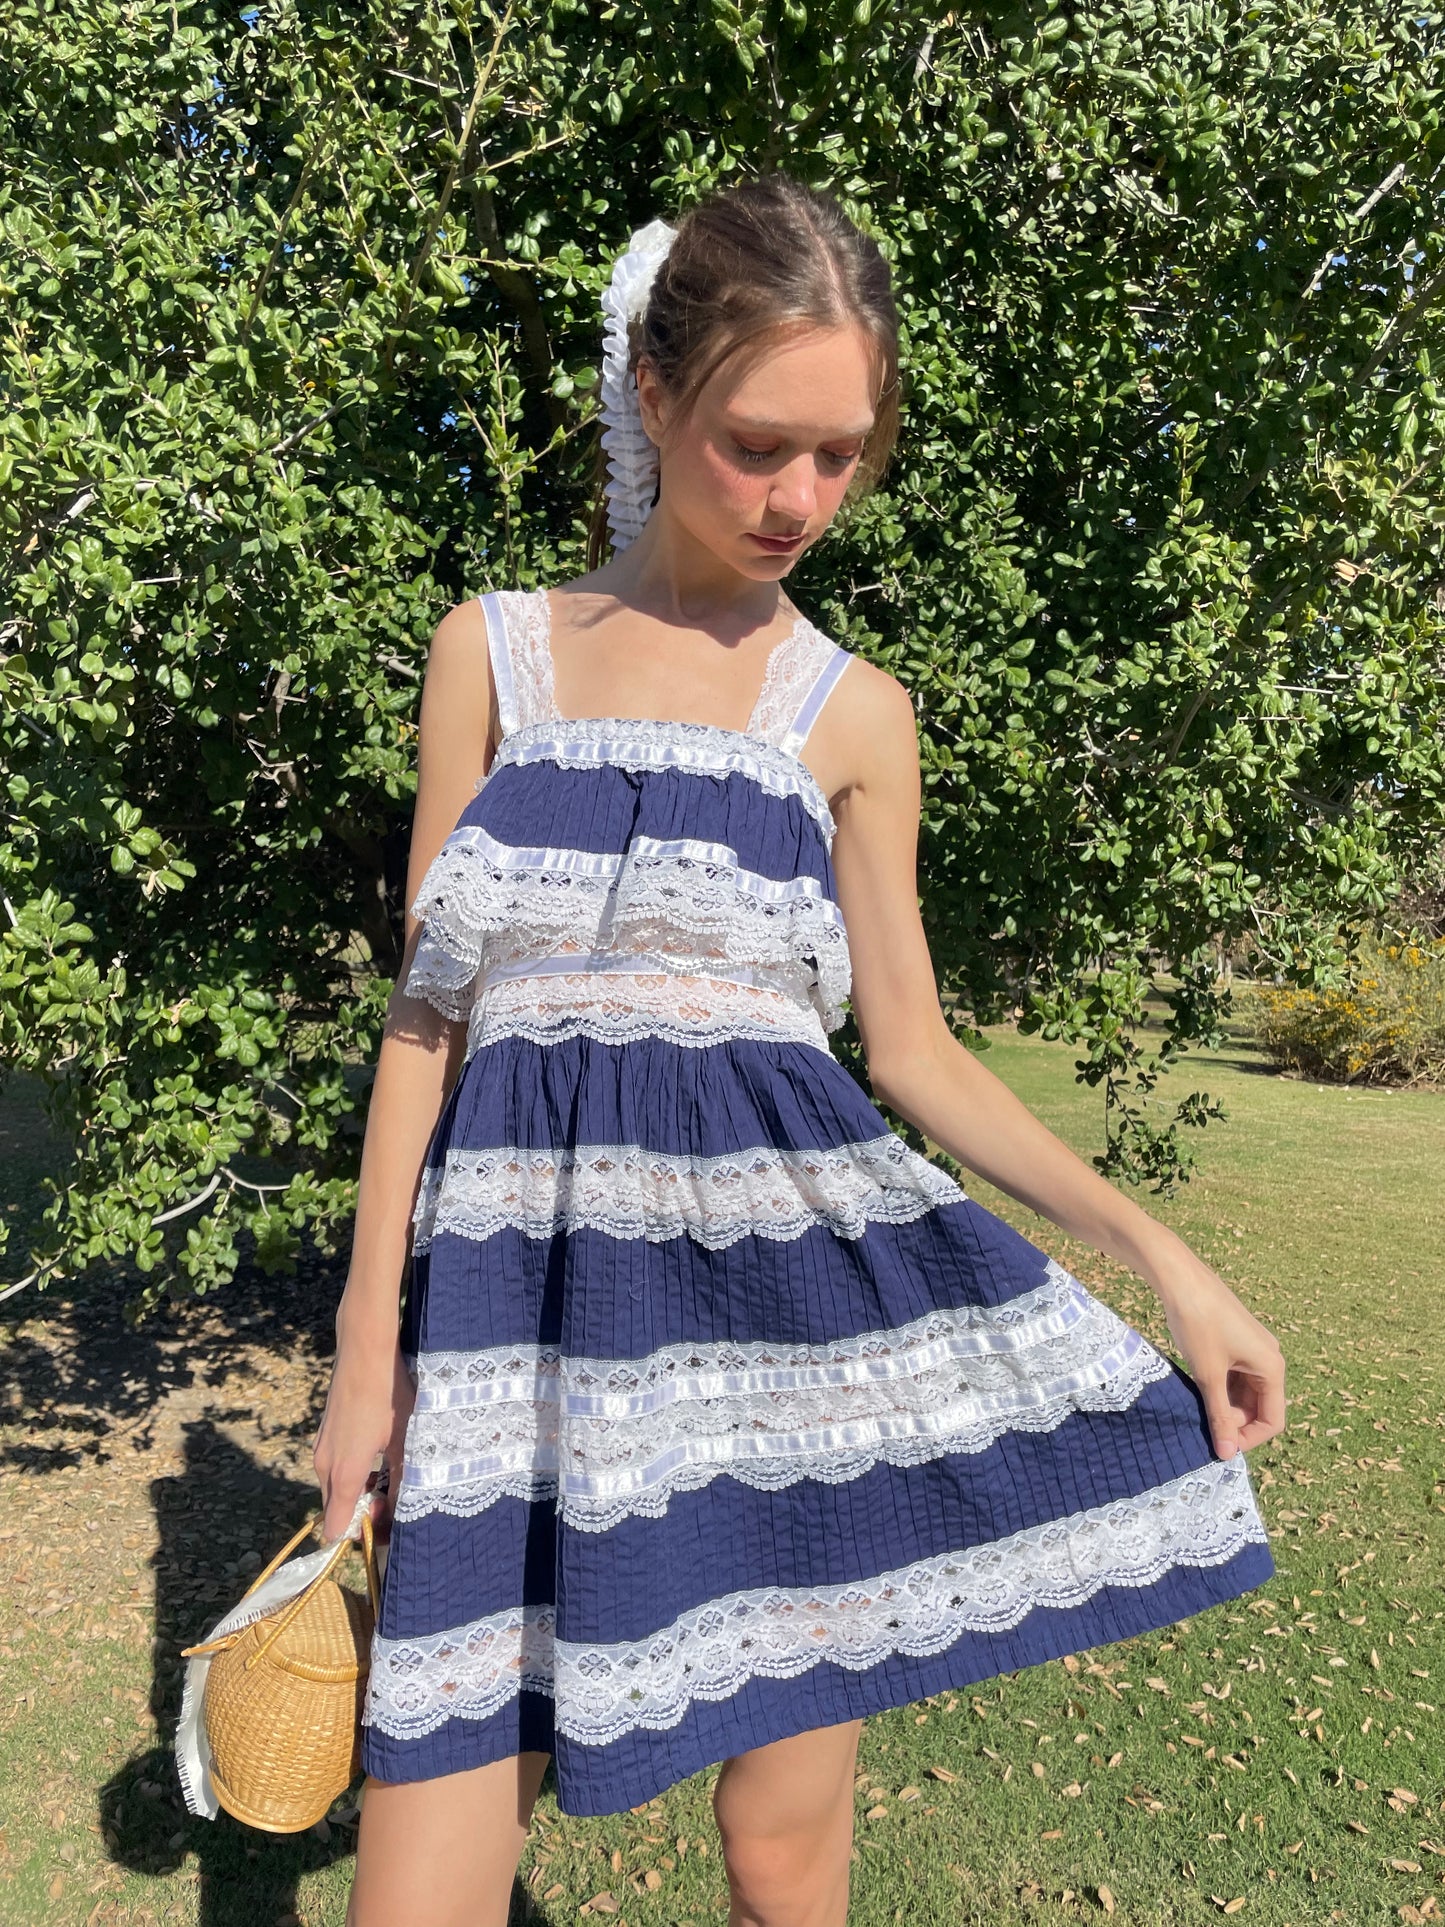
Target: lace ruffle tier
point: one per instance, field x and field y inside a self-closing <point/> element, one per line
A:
<point x="603" y="1691"/>
<point x="613" y="1437"/>
<point x="684" y="904"/>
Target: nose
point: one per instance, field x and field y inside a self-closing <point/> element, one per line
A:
<point x="794" y="492"/>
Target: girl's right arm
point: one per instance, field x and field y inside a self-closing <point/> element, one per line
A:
<point x="370" y="1395"/>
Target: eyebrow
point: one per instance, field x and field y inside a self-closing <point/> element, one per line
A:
<point x="766" y="423"/>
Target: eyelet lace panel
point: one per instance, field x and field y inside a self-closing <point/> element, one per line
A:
<point x="602" y="1692"/>
<point x="610" y="1438"/>
<point x="644" y="743"/>
<point x="629" y="1192"/>
<point x="483" y="901"/>
<point x="643" y="999"/>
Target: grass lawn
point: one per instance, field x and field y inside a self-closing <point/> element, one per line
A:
<point x="1280" y="1759"/>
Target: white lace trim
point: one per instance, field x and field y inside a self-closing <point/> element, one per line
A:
<point x="442" y="977"/>
<point x="610" y="1438"/>
<point x="603" y="1691"/>
<point x="528" y="616"/>
<point x="619" y="999"/>
<point x="630" y="1192"/>
<point x="681" y="895"/>
<point x="793" y="663"/>
<point x="483" y="902"/>
<point x="793" y="667"/>
<point x="646" y="744"/>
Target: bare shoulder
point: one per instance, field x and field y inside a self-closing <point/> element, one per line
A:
<point x="459" y="661"/>
<point x="873" y="698"/>
<point x="459" y="639"/>
<point x="871" y="736"/>
<point x="459" y="700"/>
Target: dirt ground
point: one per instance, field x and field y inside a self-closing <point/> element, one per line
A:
<point x="147" y="1475"/>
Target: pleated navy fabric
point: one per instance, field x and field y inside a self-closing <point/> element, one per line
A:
<point x="735" y="1416"/>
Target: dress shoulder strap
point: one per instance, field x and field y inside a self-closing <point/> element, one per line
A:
<point x="799" y="678"/>
<point x="821" y="687"/>
<point x="499" y="649"/>
<point x="517" y="641"/>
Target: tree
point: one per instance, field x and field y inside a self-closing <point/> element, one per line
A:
<point x="300" y="347"/>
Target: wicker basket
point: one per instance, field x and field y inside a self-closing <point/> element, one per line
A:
<point x="282" y="1705"/>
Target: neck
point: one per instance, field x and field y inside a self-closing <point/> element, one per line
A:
<point x="671" y="575"/>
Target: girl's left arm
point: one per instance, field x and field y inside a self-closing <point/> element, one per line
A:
<point x="921" y="1070"/>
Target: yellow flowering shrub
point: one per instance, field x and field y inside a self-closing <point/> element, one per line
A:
<point x="1385" y="1026"/>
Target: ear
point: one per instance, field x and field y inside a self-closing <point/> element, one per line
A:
<point x="651" y="402"/>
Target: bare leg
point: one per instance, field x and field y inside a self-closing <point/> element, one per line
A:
<point x="444" y="1852"/>
<point x="785" y="1813"/>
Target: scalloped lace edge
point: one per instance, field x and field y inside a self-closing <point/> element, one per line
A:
<point x="791" y="670"/>
<point x="602" y="1691"/>
<point x="627" y="1191"/>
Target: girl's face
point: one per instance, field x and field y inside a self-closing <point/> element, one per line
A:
<point x="769" y="449"/>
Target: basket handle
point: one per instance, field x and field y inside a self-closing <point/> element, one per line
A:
<point x="293" y="1606"/>
<point x="368" y="1554"/>
<point x="289" y="1611"/>
<point x="290" y="1546"/>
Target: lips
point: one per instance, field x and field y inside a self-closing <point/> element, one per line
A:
<point x="781" y="543"/>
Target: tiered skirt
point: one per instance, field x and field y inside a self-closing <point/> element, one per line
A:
<point x="735" y="1417"/>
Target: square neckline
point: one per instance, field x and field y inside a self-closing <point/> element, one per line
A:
<point x="558" y="720"/>
<point x="819" y="808"/>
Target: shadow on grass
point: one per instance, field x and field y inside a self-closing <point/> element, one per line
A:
<point x="96" y="1392"/>
<point x="93" y="1388"/>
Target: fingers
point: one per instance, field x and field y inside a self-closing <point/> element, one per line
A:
<point x="336" y="1516"/>
<point x="1245" y="1405"/>
<point x="342" y="1486"/>
<point x="1225" y="1424"/>
<point x="1272" y="1405"/>
<point x="383" y="1500"/>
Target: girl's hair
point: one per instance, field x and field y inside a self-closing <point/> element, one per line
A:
<point x="747" y="263"/>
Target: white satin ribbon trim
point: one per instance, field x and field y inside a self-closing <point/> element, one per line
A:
<point x="633" y="963"/>
<point x="608" y="1438"/>
<point x="641" y="851"/>
<point x="833" y="662"/>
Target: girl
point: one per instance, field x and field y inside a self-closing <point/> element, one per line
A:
<point x="721" y="1417"/>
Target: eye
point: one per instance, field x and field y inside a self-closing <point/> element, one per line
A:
<point x="760" y="455"/>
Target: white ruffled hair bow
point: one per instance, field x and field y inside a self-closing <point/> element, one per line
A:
<point x="631" y="457"/>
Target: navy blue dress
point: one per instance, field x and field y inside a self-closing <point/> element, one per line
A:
<point x="735" y="1416"/>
